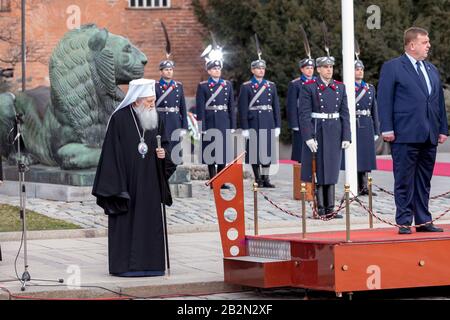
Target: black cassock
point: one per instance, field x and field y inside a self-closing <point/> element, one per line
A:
<point x="128" y="187"/>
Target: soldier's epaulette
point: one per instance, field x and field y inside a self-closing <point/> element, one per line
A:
<point x="296" y="80"/>
<point x="203" y="82"/>
<point x="270" y="82"/>
<point x="247" y="82"/>
<point x="338" y="82"/>
<point x="310" y="81"/>
<point x="179" y="83"/>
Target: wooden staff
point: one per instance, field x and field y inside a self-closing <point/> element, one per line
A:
<point x="161" y="178"/>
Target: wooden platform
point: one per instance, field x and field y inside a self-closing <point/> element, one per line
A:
<point x="375" y="259"/>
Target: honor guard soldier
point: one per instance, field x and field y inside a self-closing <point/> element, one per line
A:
<point x="259" y="109"/>
<point x="367" y="127"/>
<point x="325" y="125"/>
<point x="306" y="66"/>
<point x="170" y="101"/>
<point x="215" y="110"/>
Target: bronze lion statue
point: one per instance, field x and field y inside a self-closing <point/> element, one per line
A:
<point x="65" y="126"/>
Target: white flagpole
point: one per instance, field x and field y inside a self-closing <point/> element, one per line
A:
<point x="348" y="54"/>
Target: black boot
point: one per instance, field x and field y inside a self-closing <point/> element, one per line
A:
<point x="320" y="200"/>
<point x="363" y="188"/>
<point x="257" y="173"/>
<point x="220" y="167"/>
<point x="329" y="200"/>
<point x="212" y="172"/>
<point x="362" y="184"/>
<point x="366" y="183"/>
<point x="265" y="177"/>
<point x="266" y="182"/>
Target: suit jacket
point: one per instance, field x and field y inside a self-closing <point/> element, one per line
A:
<point x="405" y="106"/>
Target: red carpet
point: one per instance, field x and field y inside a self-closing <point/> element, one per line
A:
<point x="359" y="236"/>
<point x="440" y="168"/>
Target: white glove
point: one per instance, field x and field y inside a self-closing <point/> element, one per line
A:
<point x="375" y="138"/>
<point x="312" y="145"/>
<point x="277" y="132"/>
<point x="245" y="133"/>
<point x="233" y="130"/>
<point x="183" y="132"/>
<point x="345" y="144"/>
<point x="295" y="129"/>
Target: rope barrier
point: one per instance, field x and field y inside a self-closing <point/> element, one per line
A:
<point x="341" y="207"/>
<point x="326" y="217"/>
<point x="431" y="198"/>
<point x="394" y="224"/>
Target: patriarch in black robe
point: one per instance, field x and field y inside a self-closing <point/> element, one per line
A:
<point x="131" y="183"/>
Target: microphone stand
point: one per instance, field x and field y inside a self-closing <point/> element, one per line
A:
<point x="22" y="196"/>
<point x="22" y="168"/>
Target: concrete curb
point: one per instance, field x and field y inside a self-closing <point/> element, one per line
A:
<point x="194" y="228"/>
<point x="54" y="234"/>
<point x="157" y="291"/>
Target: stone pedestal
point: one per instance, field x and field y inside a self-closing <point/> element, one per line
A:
<point x="52" y="183"/>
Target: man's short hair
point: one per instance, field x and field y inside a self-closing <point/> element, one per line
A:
<point x="412" y="33"/>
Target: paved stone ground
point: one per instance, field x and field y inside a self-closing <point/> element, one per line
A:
<point x="440" y="293"/>
<point x="199" y="211"/>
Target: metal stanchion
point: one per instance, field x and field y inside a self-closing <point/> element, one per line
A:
<point x="347" y="212"/>
<point x="255" y="207"/>
<point x="303" y="191"/>
<point x="370" y="203"/>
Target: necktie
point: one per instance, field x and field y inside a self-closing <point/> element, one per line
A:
<point x="422" y="76"/>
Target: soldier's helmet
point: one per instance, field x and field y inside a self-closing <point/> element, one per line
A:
<point x="166" y="64"/>
<point x="213" y="57"/>
<point x="325" y="61"/>
<point x="359" y="64"/>
<point x="260" y="63"/>
<point x="307" y="62"/>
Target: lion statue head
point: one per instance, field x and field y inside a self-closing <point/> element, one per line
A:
<point x="86" y="68"/>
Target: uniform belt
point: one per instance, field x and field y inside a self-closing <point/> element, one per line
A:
<point x="262" y="107"/>
<point x="363" y="112"/>
<point x="316" y="115"/>
<point x="221" y="107"/>
<point x="168" y="109"/>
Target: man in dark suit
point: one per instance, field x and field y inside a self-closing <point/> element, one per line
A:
<point x="413" y="119"/>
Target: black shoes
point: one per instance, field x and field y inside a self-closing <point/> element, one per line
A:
<point x="363" y="189"/>
<point x="429" y="228"/>
<point x="426" y="228"/>
<point x="266" y="182"/>
<point x="404" y="230"/>
<point x="257" y="174"/>
<point x="365" y="192"/>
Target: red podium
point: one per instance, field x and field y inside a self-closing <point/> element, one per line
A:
<point x="374" y="259"/>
